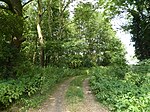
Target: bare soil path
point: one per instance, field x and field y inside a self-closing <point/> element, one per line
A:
<point x="56" y="102"/>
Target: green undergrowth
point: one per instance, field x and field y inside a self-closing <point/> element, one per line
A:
<point x="129" y="93"/>
<point x="32" y="86"/>
<point x="75" y="93"/>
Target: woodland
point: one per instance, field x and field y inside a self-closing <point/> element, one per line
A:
<point x="43" y="42"/>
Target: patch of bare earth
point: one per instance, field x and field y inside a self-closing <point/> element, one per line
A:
<point x="89" y="104"/>
<point x="56" y="102"/>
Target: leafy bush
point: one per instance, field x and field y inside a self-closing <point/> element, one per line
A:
<point x="142" y="67"/>
<point x="131" y="93"/>
<point x="36" y="80"/>
<point x="9" y="91"/>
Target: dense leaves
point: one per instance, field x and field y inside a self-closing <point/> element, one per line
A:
<point x="83" y="41"/>
<point x="137" y="13"/>
<point x="131" y="93"/>
<point x="9" y="54"/>
<point x="36" y="80"/>
<point x="96" y="43"/>
<point x="43" y="33"/>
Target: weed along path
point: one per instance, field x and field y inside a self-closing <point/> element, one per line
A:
<point x="57" y="102"/>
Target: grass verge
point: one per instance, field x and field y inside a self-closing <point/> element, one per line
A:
<point x="75" y="93"/>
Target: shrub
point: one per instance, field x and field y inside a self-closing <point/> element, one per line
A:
<point x="132" y="93"/>
<point x="36" y="80"/>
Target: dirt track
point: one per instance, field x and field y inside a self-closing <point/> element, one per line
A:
<point x="56" y="102"/>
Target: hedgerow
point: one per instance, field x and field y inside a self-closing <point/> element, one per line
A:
<point x="36" y="80"/>
<point x="131" y="93"/>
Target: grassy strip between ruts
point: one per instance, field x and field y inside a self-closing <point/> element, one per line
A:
<point x="75" y="93"/>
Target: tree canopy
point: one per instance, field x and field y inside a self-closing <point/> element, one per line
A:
<point x="138" y="15"/>
<point x="42" y="42"/>
<point x="41" y="32"/>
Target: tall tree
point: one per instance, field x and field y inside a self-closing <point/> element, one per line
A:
<point x="138" y="14"/>
<point x="98" y="38"/>
<point x="40" y="35"/>
<point x="16" y="7"/>
<point x="12" y="19"/>
<point x="57" y="18"/>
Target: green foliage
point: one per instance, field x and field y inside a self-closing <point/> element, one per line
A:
<point x="35" y="80"/>
<point x="83" y="41"/>
<point x="137" y="13"/>
<point x="86" y="40"/>
<point x="96" y="43"/>
<point x="10" y="91"/>
<point x="130" y="93"/>
<point x="143" y="66"/>
<point x="9" y="54"/>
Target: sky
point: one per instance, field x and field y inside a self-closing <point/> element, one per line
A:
<point x="125" y="37"/>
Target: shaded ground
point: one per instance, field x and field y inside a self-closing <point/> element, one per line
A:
<point x="56" y="102"/>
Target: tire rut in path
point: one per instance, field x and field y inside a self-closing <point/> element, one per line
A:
<point x="56" y="102"/>
<point x="89" y="103"/>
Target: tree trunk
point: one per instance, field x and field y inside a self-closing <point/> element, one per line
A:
<point x="41" y="39"/>
<point x="16" y="7"/>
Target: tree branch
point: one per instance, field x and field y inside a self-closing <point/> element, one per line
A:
<point x="3" y="7"/>
<point x="5" y="2"/>
<point x="8" y="7"/>
<point x="27" y="3"/>
<point x="65" y="6"/>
